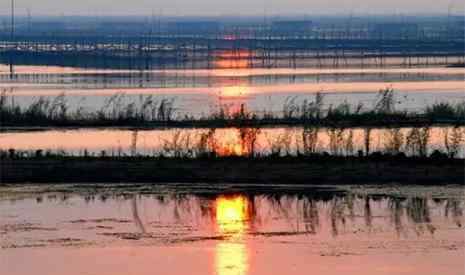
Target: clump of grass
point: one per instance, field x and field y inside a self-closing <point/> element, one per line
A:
<point x="248" y="139"/>
<point x="453" y="140"/>
<point x="367" y="140"/>
<point x="444" y="110"/>
<point x="41" y="110"/>
<point x="179" y="146"/>
<point x="349" y="142"/>
<point x="340" y="141"/>
<point x="226" y="113"/>
<point x="306" y="110"/>
<point x="394" y="140"/>
<point x="417" y="141"/>
<point x="280" y="145"/>
<point x="207" y="144"/>
<point x="336" y="140"/>
<point x="116" y="110"/>
<point x="340" y="111"/>
<point x="310" y="139"/>
<point x="386" y="101"/>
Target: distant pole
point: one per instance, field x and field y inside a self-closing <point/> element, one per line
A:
<point x="29" y="18"/>
<point x="12" y="17"/>
<point x="12" y="35"/>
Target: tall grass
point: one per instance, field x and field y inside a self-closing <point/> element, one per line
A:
<point x="394" y="140"/>
<point x="307" y="110"/>
<point x="56" y="111"/>
<point x="453" y="140"/>
<point x="179" y="145"/>
<point x="386" y="101"/>
<point x="280" y="145"/>
<point x="306" y="142"/>
<point x="417" y="141"/>
<point x="119" y="110"/>
<point x="310" y="139"/>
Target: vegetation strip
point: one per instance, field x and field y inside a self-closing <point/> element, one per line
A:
<point x="148" y="112"/>
<point x="317" y="169"/>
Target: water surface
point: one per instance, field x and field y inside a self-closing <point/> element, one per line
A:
<point x="231" y="229"/>
<point x="200" y="91"/>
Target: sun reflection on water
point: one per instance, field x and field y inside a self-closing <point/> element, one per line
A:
<point x="231" y="259"/>
<point x="234" y="92"/>
<point x="232" y="214"/>
<point x="239" y="59"/>
<point x="231" y="255"/>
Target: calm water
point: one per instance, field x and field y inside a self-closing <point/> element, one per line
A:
<point x="228" y="229"/>
<point x="231" y="229"/>
<point x="200" y="92"/>
<point x="228" y="141"/>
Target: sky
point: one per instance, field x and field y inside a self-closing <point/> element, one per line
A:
<point x="231" y="7"/>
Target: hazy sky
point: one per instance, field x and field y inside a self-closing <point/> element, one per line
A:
<point x="236" y="7"/>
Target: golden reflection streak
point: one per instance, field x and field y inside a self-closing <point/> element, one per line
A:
<point x="233" y="59"/>
<point x="232" y="214"/>
<point x="234" y="92"/>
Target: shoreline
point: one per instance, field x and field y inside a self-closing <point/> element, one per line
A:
<point x="318" y="170"/>
<point x="353" y="122"/>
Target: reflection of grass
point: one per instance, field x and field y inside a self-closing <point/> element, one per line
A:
<point x="148" y="111"/>
<point x="302" y="209"/>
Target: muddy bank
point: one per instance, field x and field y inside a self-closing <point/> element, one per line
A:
<point x="292" y="170"/>
<point x="356" y="121"/>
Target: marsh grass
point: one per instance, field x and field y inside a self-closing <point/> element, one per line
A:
<point x="453" y="140"/>
<point x="150" y="111"/>
<point x="116" y="110"/>
<point x="288" y="142"/>
<point x="393" y="141"/>
<point x="446" y="111"/>
<point x="310" y="139"/>
<point x="280" y="144"/>
<point x="417" y="141"/>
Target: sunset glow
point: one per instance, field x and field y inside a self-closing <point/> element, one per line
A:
<point x="232" y="138"/>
